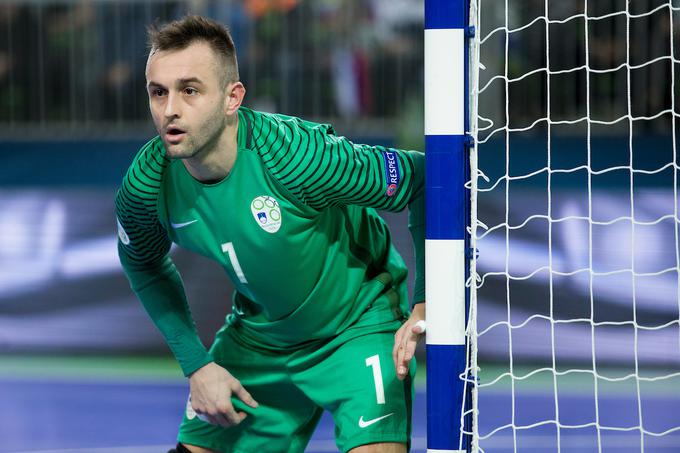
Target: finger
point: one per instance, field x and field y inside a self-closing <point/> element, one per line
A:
<point x="244" y="396"/>
<point x="232" y="415"/>
<point x="204" y="418"/>
<point x="227" y="416"/>
<point x="395" y="348"/>
<point x="402" y="366"/>
<point x="224" y="419"/>
<point x="410" y="349"/>
<point x="407" y="350"/>
<point x="212" y="419"/>
<point x="224" y="411"/>
<point x="239" y="417"/>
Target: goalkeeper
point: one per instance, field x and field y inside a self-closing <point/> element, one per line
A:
<point x="320" y="317"/>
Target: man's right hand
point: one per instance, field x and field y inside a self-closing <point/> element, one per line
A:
<point x="211" y="389"/>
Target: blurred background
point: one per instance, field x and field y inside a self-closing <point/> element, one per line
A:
<point x="578" y="304"/>
<point x="577" y="124"/>
<point x="76" y="347"/>
<point x="73" y="113"/>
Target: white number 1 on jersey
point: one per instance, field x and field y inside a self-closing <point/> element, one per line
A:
<point x="228" y="248"/>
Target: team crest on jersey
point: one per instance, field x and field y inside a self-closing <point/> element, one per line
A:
<point x="122" y="235"/>
<point x="267" y="213"/>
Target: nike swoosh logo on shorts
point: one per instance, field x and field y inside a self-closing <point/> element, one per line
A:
<point x="183" y="224"/>
<point x="364" y="424"/>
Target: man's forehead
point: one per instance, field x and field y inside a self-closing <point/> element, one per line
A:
<point x="198" y="58"/>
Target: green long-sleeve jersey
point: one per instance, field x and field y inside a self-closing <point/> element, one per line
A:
<point x="293" y="225"/>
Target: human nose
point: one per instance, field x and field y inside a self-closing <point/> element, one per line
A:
<point x="172" y="106"/>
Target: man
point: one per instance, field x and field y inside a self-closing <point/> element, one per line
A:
<point x="284" y="206"/>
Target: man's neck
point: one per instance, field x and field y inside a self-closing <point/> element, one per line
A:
<point x="216" y="161"/>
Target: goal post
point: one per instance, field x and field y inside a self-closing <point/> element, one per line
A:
<point x="447" y="210"/>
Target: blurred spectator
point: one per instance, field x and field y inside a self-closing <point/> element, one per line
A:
<point x="232" y="13"/>
<point x="122" y="33"/>
<point x="349" y="51"/>
<point x="258" y="8"/>
<point x="79" y="61"/>
<point x="19" y="79"/>
<point x="8" y="64"/>
<point x="65" y="25"/>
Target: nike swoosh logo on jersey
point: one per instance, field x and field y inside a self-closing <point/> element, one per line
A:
<point x="183" y="224"/>
<point x="364" y="424"/>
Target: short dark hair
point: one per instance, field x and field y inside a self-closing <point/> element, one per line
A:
<point x="180" y="34"/>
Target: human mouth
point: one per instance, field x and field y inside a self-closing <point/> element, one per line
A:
<point x="174" y="134"/>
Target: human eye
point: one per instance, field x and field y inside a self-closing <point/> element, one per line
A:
<point x="191" y="91"/>
<point x="156" y="92"/>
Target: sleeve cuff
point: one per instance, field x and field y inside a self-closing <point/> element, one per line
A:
<point x="189" y="367"/>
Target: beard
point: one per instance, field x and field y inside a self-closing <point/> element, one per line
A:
<point x="199" y="139"/>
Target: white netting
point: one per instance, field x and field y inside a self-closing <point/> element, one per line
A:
<point x="574" y="331"/>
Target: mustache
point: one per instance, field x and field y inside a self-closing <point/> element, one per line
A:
<point x="174" y="128"/>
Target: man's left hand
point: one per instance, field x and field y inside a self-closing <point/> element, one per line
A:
<point x="406" y="340"/>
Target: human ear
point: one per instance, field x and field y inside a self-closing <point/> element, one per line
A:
<point x="235" y="94"/>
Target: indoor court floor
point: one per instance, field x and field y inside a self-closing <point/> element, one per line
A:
<point x="133" y="405"/>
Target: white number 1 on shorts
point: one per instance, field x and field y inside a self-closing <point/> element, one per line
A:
<point x="374" y="362"/>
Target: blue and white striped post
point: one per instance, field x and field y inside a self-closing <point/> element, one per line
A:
<point x="447" y="167"/>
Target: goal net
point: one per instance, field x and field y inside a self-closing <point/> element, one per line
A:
<point x="574" y="335"/>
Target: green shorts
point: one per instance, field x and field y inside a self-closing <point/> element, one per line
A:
<point x="351" y="375"/>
